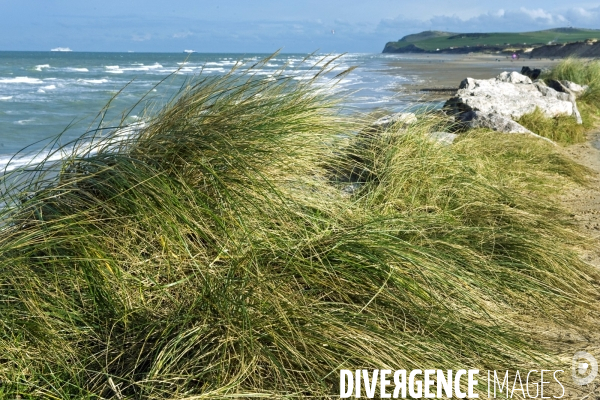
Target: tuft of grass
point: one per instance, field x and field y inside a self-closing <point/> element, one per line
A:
<point x="564" y="129"/>
<point x="583" y="72"/>
<point x="211" y="254"/>
<point x="561" y="129"/>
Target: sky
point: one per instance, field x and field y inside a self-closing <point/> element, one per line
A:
<point x="248" y="26"/>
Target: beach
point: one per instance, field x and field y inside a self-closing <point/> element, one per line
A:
<point x="446" y="71"/>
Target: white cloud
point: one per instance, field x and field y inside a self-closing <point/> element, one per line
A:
<point x="141" y="38"/>
<point x="538" y="14"/>
<point x="182" y="35"/>
<point x="516" y="20"/>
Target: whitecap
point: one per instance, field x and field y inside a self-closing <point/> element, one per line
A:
<point x="209" y="70"/>
<point x="220" y="63"/>
<point x="9" y="163"/>
<point x="49" y="87"/>
<point x="61" y="49"/>
<point x="21" y="79"/>
<point x="73" y="69"/>
<point x="41" y="66"/>
<point x="142" y="67"/>
<point x="5" y="98"/>
<point x="93" y="81"/>
<point x="24" y="121"/>
<point x="113" y="69"/>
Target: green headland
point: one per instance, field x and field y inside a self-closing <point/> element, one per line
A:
<point x="451" y="42"/>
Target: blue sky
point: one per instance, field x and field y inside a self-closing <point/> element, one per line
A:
<point x="266" y="25"/>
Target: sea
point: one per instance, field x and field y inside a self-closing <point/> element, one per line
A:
<point x="44" y="94"/>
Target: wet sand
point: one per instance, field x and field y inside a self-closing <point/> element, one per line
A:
<point x="446" y="71"/>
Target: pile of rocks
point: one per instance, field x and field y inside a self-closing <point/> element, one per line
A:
<point x="496" y="103"/>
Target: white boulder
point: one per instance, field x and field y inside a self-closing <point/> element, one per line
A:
<point x="405" y="118"/>
<point x="503" y="96"/>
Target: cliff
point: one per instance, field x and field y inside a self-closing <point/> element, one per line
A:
<point x="498" y="42"/>
<point x="588" y="48"/>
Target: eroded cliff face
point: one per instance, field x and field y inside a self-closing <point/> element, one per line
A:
<point x="589" y="48"/>
<point x="389" y="48"/>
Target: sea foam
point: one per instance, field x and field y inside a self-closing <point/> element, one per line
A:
<point x="21" y="79"/>
<point x="93" y="81"/>
<point x="91" y="147"/>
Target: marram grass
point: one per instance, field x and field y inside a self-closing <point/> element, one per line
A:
<point x="215" y="253"/>
<point x="564" y="129"/>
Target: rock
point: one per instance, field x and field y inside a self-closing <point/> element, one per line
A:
<point x="567" y="94"/>
<point x="444" y="138"/>
<point x="352" y="188"/>
<point x="389" y="120"/>
<point x="567" y="87"/>
<point x="496" y="122"/>
<point x="492" y="120"/>
<point x="532" y="74"/>
<point x="512" y="77"/>
<point x="575" y="88"/>
<point x="510" y="95"/>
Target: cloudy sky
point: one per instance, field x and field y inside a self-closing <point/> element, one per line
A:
<point x="267" y="25"/>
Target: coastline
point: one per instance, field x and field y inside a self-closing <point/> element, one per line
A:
<point x="447" y="71"/>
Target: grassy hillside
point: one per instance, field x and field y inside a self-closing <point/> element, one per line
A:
<point x="215" y="253"/>
<point x="433" y="40"/>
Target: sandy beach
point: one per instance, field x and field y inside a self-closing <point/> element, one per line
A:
<point x="446" y="71"/>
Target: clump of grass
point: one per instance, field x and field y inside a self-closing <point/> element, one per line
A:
<point x="564" y="129"/>
<point x="583" y="72"/>
<point x="210" y="255"/>
<point x="561" y="129"/>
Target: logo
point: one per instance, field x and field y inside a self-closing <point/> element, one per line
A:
<point x="584" y="372"/>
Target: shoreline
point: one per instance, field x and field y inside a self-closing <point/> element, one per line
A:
<point x="447" y="71"/>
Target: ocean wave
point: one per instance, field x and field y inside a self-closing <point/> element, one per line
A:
<point x="21" y="79"/>
<point x="93" y="81"/>
<point x="9" y="163"/>
<point x="4" y="98"/>
<point x="113" y="69"/>
<point x="142" y="67"/>
<point x="220" y="63"/>
<point x="44" y="88"/>
<point x="209" y="70"/>
<point x="41" y="66"/>
<point x="24" y="121"/>
<point x="75" y="69"/>
<point x="136" y="67"/>
<point x="91" y="147"/>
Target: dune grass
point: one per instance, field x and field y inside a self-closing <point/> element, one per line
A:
<point x="563" y="129"/>
<point x="213" y="254"/>
<point x="583" y="72"/>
